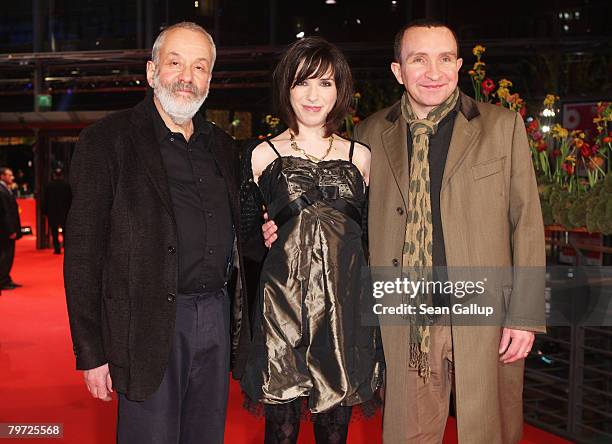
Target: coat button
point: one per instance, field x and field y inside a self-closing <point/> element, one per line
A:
<point x="400" y="210"/>
<point x="171" y="249"/>
<point x="395" y="262"/>
<point x="171" y="297"/>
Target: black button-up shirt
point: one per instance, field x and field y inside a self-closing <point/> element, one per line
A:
<point x="201" y="206"/>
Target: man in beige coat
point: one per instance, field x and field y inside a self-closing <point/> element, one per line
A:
<point x="484" y="212"/>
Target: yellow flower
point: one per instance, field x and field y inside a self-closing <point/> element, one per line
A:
<point x="471" y="72"/>
<point x="558" y="132"/>
<point x="478" y="50"/>
<point x="505" y="83"/>
<point x="571" y="158"/>
<point x="550" y="100"/>
<point x="272" y="121"/>
<point x="479" y="65"/>
<point x="502" y="92"/>
<point x="357" y="95"/>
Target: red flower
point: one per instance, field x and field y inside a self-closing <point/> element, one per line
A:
<point x="594" y="149"/>
<point x="533" y="126"/>
<point x="585" y="150"/>
<point x="607" y="139"/>
<point x="541" y="146"/>
<point x="537" y="135"/>
<point x="487" y="86"/>
<point x="556" y="153"/>
<point x="523" y="112"/>
<point x="568" y="167"/>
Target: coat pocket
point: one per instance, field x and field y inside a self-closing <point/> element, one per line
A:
<point x="488" y="168"/>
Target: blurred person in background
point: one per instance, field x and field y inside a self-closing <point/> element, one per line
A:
<point x="10" y="228"/>
<point x="57" y="198"/>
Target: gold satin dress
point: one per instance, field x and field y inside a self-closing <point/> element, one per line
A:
<point x="308" y="339"/>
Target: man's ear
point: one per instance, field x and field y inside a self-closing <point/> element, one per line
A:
<point x="459" y="64"/>
<point x="396" y="69"/>
<point x="150" y="72"/>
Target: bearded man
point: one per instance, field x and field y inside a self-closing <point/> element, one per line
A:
<point x="151" y="244"/>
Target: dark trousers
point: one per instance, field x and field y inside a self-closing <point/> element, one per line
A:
<point x="57" y="247"/>
<point x="7" y="256"/>
<point x="190" y="405"/>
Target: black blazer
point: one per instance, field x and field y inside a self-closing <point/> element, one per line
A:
<point x="9" y="214"/>
<point x="120" y="267"/>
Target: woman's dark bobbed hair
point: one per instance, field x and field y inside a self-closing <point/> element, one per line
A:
<point x="312" y="57"/>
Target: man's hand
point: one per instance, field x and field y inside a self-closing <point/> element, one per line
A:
<point x="269" y="231"/>
<point x="515" y="344"/>
<point x="99" y="383"/>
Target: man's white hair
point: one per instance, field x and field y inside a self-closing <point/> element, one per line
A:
<point x="159" y="41"/>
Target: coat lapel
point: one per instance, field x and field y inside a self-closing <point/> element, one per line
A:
<point x="465" y="135"/>
<point x="147" y="148"/>
<point x="394" y="140"/>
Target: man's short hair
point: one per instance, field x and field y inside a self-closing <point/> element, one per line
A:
<point x="159" y="41"/>
<point x="419" y="23"/>
<point x="314" y="56"/>
<point x="4" y="169"/>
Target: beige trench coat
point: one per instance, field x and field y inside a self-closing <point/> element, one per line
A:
<point x="491" y="216"/>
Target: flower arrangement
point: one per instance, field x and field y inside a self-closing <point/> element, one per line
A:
<point x="572" y="168"/>
<point x="273" y="125"/>
<point x="352" y="118"/>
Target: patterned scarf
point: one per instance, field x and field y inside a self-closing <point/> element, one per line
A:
<point x="417" y="255"/>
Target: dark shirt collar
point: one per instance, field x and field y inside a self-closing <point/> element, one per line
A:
<point x="200" y="125"/>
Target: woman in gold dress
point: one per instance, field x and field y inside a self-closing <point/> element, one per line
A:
<point x="309" y="345"/>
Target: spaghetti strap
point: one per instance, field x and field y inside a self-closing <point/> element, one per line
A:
<point x="273" y="147"/>
<point x="352" y="148"/>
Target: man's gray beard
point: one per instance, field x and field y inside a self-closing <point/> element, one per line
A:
<point x="180" y="112"/>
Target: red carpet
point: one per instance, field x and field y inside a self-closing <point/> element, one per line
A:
<point x="38" y="382"/>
